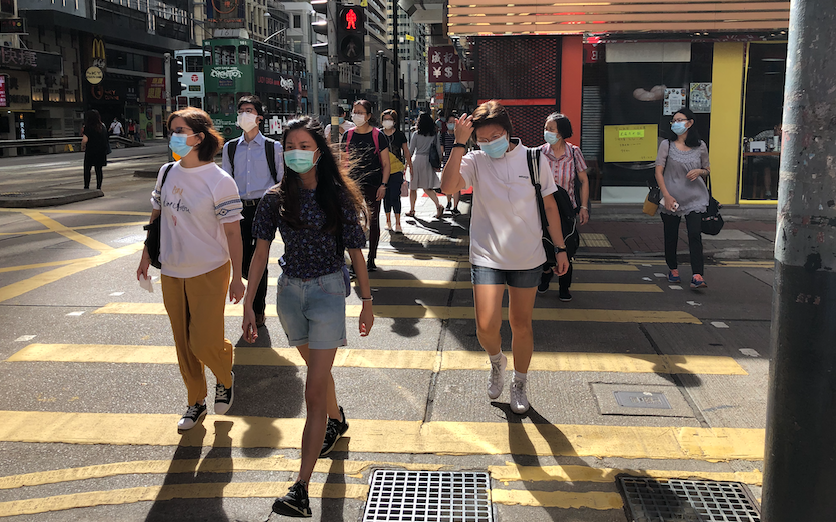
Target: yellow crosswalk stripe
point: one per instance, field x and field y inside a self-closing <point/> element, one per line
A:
<point x="599" y="500"/>
<point x="391" y="436"/>
<point x="460" y="285"/>
<point x="442" y="263"/>
<point x="67" y="232"/>
<point x="392" y="359"/>
<point x="446" y="312"/>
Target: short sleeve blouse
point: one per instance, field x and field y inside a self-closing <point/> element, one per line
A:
<point x="692" y="196"/>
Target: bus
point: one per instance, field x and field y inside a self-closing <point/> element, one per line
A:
<point x="237" y="67"/>
<point x="190" y="63"/>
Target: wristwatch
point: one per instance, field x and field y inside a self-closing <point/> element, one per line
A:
<point x="462" y="145"/>
<point x="558" y="249"/>
<point x="384" y="184"/>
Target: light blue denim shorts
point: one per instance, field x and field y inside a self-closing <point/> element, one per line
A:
<point x="312" y="311"/>
<point x="482" y="275"/>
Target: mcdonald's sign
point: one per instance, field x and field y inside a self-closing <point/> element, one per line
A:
<point x="98" y="57"/>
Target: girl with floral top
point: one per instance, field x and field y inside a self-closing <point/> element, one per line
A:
<point x="319" y="212"/>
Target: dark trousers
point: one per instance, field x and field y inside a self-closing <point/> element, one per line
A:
<point x="87" y="167"/>
<point x="370" y="195"/>
<point x="392" y="200"/>
<point x="693" y="222"/>
<point x="259" y="304"/>
<point x="565" y="281"/>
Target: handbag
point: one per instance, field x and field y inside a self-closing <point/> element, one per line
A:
<point x="435" y="159"/>
<point x="534" y="173"/>
<point x="651" y="201"/>
<point x="405" y="189"/>
<point x="577" y="182"/>
<point x="152" y="240"/>
<point x="712" y="221"/>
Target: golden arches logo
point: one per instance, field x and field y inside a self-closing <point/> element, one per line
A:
<point x="98" y="49"/>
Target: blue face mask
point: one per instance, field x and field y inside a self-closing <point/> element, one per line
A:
<point x="451" y="126"/>
<point x="300" y="161"/>
<point x="679" y="128"/>
<point x="496" y="148"/>
<point x="342" y="120"/>
<point x="550" y="137"/>
<point x="177" y="144"/>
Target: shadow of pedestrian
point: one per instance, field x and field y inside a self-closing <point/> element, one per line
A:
<point x="401" y="326"/>
<point x="333" y="506"/>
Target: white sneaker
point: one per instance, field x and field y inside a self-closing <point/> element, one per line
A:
<point x="519" y="402"/>
<point x="223" y="397"/>
<point x="497" y="378"/>
<point x="192" y="416"/>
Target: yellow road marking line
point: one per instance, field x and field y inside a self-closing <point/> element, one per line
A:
<point x="390" y="436"/>
<point x="39" y="265"/>
<point x="67" y="232"/>
<point x="100" y="212"/>
<point x="21" y="287"/>
<point x="392" y="359"/>
<point x="445" y="312"/>
<point x="599" y="500"/>
<point x="84" y="227"/>
<point x="510" y="472"/>
<point x="461" y="285"/>
<point x="437" y="263"/>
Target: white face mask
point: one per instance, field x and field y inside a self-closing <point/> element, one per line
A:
<point x="358" y="119"/>
<point x="247" y="121"/>
<point x="388" y="124"/>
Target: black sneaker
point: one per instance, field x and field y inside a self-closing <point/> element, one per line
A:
<point x="370" y="266"/>
<point x="456" y="211"/>
<point x="447" y="207"/>
<point x="191" y="417"/>
<point x="223" y="397"/>
<point x="333" y="432"/>
<point x="295" y="503"/>
<point x="545" y="281"/>
<point x="564" y="295"/>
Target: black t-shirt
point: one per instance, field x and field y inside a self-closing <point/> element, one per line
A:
<point x="396" y="143"/>
<point x="365" y="164"/>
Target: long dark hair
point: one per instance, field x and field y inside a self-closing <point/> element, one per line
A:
<point x="693" y="138"/>
<point x="426" y="125"/>
<point x="330" y="181"/>
<point x="93" y="122"/>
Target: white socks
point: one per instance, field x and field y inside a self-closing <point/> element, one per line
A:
<point x="521" y="377"/>
<point x="496" y="358"/>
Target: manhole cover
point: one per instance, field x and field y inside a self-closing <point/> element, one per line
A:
<point x="630" y="399"/>
<point x="650" y="500"/>
<point x="429" y="496"/>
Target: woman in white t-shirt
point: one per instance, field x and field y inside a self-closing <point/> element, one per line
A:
<point x="505" y="237"/>
<point x="200" y="240"/>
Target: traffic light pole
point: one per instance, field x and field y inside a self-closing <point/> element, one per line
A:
<point x="396" y="97"/>
<point x="333" y="64"/>
<point x="800" y="457"/>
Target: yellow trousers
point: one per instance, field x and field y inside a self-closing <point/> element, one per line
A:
<point x="195" y="307"/>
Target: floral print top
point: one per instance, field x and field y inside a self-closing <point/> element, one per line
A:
<point x="308" y="252"/>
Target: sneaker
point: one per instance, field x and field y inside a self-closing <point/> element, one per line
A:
<point x="564" y="295"/>
<point x="370" y="266"/>
<point x="191" y="417"/>
<point x="333" y="432"/>
<point x="455" y="211"/>
<point x="519" y="402"/>
<point x="545" y="281"/>
<point x="447" y="207"/>
<point x="497" y="379"/>
<point x="260" y="319"/>
<point x="698" y="282"/>
<point x="295" y="503"/>
<point x="223" y="397"/>
<point x="673" y="276"/>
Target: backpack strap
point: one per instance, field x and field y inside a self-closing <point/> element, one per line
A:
<point x="165" y="174"/>
<point x="271" y="158"/>
<point x="348" y="138"/>
<point x="375" y="134"/>
<point x="230" y="151"/>
<point x="533" y="156"/>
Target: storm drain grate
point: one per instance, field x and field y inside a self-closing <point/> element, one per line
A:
<point x="429" y="496"/>
<point x="650" y="500"/>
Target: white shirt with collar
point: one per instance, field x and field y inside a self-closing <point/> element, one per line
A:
<point x="252" y="174"/>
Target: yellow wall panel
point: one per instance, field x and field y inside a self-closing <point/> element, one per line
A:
<point x="726" y="110"/>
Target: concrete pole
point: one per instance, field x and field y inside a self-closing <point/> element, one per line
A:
<point x="799" y="479"/>
<point x="333" y="92"/>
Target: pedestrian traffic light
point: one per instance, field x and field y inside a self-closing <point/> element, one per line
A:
<point x="351" y="30"/>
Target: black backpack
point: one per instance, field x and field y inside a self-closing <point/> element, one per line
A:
<point x="271" y="158"/>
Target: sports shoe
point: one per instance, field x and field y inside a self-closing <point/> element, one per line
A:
<point x="455" y="211"/>
<point x="295" y="503"/>
<point x="564" y="295"/>
<point x="447" y="207"/>
<point x="673" y="276"/>
<point x="497" y="379"/>
<point x="260" y="319"/>
<point x="545" y="281"/>
<point x="370" y="266"/>
<point x="223" y="397"/>
<point x="191" y="417"/>
<point x="333" y="432"/>
<point x="519" y="402"/>
<point x="698" y="282"/>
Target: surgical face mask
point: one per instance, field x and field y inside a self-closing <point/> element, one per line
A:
<point x="178" y="145"/>
<point x="388" y="124"/>
<point x="300" y="161"/>
<point x="247" y="121"/>
<point x="341" y="120"/>
<point x="496" y="148"/>
<point x="451" y="126"/>
<point x="550" y="137"/>
<point x="679" y="128"/>
<point x="358" y="119"/>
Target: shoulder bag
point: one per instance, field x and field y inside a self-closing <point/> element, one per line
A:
<point x="435" y="159"/>
<point x="712" y="221"/>
<point x="534" y="173"/>
<point x="152" y="240"/>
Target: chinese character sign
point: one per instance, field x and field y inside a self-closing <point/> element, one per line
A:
<point x="444" y="64"/>
<point x="155" y="90"/>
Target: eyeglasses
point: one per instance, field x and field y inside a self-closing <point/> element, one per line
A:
<point x="680" y="120"/>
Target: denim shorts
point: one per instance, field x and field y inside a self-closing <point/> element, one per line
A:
<point x="312" y="311"/>
<point x="482" y="275"/>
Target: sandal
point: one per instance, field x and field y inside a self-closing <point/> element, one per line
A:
<point x="440" y="212"/>
<point x="411" y="214"/>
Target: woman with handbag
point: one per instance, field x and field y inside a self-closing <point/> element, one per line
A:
<point x="423" y="174"/>
<point x="318" y="211"/>
<point x="95" y="145"/>
<point x="398" y="154"/>
<point x="681" y="168"/>
<point x="568" y="167"/>
<point x="200" y="240"/>
<point x="506" y="238"/>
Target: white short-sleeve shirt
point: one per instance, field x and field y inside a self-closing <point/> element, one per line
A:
<point x="505" y="229"/>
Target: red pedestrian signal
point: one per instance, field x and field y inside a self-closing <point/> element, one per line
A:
<point x="351" y="19"/>
<point x="351" y="32"/>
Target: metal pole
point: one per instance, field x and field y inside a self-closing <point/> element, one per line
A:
<point x="396" y="97"/>
<point x="800" y="458"/>
<point x="333" y="92"/>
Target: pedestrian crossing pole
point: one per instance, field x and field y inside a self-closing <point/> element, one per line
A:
<point x="333" y="65"/>
<point x="800" y="458"/>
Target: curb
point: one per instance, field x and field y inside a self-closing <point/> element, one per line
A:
<point x="33" y="200"/>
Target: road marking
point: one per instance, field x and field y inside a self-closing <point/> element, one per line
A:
<point x="446" y="312"/>
<point x="85" y="227"/>
<point x="719" y="324"/>
<point x="570" y="473"/>
<point x="595" y="241"/>
<point x="461" y="285"/>
<point x="599" y="500"/>
<point x="437" y="263"/>
<point x="67" y="232"/>
<point x="41" y="265"/>
<point x="75" y="314"/>
<point x="24" y="338"/>
<point x="27" y="285"/>
<point x="391" y="436"/>
<point x="393" y="359"/>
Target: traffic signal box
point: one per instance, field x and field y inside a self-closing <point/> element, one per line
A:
<point x="351" y="30"/>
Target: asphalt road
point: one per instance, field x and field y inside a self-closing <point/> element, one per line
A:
<point x="92" y="393"/>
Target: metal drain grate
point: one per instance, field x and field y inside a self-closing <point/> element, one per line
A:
<point x="650" y="500"/>
<point x="429" y="496"/>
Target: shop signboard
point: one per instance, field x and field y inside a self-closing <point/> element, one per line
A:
<point x="30" y="60"/>
<point x="627" y="143"/>
<point x="700" y="100"/>
<point x="674" y="100"/>
<point x="444" y="64"/>
<point x="4" y="102"/>
<point x="155" y="90"/>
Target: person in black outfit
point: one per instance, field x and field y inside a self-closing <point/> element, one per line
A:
<point x="94" y="143"/>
